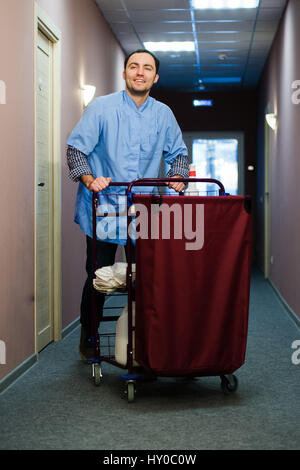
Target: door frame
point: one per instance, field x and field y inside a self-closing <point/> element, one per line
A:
<point x="43" y="23"/>
<point x="266" y="198"/>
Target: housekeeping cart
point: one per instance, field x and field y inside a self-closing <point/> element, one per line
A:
<point x="188" y="288"/>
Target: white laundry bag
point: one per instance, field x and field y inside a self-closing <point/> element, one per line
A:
<point x="122" y="336"/>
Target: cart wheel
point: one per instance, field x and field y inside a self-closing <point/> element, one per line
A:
<point x="97" y="374"/>
<point x="130" y="392"/>
<point x="229" y="384"/>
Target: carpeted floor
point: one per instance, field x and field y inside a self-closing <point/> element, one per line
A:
<point x="55" y="405"/>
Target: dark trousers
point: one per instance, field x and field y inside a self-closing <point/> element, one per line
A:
<point x="105" y="256"/>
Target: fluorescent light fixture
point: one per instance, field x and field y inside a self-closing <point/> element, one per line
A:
<point x="197" y="103"/>
<point x="170" y="46"/>
<point x="224" y="4"/>
<point x="271" y="119"/>
<point x="88" y="93"/>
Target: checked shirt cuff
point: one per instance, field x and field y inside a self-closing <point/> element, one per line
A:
<point x="77" y="163"/>
<point x="180" y="166"/>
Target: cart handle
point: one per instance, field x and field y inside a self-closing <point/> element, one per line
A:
<point x="162" y="181"/>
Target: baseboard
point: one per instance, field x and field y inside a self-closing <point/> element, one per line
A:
<point x="72" y="326"/>
<point x="26" y="365"/>
<point x="288" y="309"/>
<point x="17" y="372"/>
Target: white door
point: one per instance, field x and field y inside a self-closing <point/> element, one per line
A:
<point x="44" y="194"/>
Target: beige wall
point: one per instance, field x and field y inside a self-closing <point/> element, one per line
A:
<point x="89" y="54"/>
<point x="282" y="69"/>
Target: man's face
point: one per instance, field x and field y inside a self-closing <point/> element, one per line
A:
<point x="140" y="73"/>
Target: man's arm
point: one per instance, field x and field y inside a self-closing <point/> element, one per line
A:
<point x="77" y="163"/>
<point x="179" y="169"/>
<point x="79" y="170"/>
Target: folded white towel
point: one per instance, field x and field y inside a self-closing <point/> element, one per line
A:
<point x="111" y="278"/>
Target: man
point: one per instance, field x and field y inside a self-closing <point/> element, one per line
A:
<point x="120" y="137"/>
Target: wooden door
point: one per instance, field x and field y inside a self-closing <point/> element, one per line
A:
<point x="44" y="193"/>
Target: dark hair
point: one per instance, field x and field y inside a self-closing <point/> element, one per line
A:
<point x="147" y="52"/>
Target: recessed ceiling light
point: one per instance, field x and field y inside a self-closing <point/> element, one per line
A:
<point x="171" y="46"/>
<point x="222" y="4"/>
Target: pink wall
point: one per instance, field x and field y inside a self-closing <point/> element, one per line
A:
<point x="282" y="68"/>
<point x="16" y="201"/>
<point x="90" y="54"/>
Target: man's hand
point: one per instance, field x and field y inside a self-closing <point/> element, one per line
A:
<point x="177" y="186"/>
<point x="95" y="184"/>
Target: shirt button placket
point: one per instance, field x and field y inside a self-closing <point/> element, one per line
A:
<point x="140" y="136"/>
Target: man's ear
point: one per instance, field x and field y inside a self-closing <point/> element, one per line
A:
<point x="156" y="78"/>
<point x="123" y="74"/>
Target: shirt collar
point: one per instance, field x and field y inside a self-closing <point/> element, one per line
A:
<point x="132" y="103"/>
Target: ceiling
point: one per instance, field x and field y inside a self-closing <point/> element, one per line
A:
<point x="244" y="35"/>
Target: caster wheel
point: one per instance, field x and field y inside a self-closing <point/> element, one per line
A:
<point x="229" y="384"/>
<point x="130" y="392"/>
<point x="97" y="375"/>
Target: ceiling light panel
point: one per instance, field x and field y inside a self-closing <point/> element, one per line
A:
<point x="178" y="58"/>
<point x="166" y="37"/>
<point x="160" y="15"/>
<point x="228" y="15"/>
<point x="157" y="5"/>
<point x="170" y="46"/>
<point x="225" y="37"/>
<point x="211" y="26"/>
<point x="154" y="27"/>
<point x="224" y="4"/>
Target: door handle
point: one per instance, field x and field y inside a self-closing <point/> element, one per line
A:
<point x="41" y="184"/>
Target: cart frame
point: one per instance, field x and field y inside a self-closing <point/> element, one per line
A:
<point x="228" y="383"/>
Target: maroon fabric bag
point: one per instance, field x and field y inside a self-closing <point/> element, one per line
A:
<point x="192" y="304"/>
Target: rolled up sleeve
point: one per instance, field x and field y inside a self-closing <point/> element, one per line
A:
<point x="77" y="163"/>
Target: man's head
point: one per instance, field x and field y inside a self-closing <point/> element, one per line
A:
<point x="142" y="51"/>
<point x="140" y="72"/>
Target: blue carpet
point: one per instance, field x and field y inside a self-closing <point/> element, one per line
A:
<point x="55" y="405"/>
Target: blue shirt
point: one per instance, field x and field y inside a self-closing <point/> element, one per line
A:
<point x="123" y="142"/>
